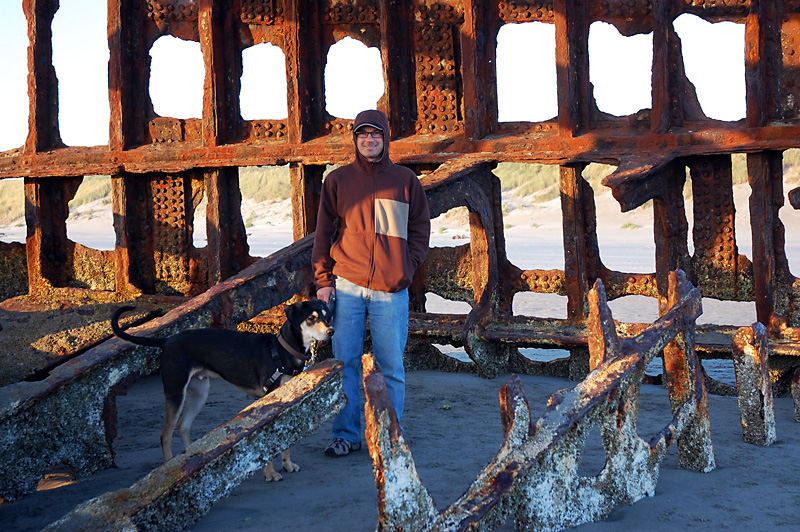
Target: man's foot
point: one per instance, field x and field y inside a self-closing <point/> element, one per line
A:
<point x="341" y="447"/>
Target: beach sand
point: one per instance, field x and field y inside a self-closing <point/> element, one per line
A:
<point x="753" y="488"/>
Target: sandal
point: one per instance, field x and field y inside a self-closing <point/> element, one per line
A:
<point x="341" y="447"/>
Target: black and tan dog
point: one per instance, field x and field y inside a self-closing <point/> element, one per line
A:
<point x="253" y="363"/>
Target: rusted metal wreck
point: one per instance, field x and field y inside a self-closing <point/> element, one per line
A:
<point x="440" y="95"/>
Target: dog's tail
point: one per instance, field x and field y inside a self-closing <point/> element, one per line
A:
<point x="140" y="340"/>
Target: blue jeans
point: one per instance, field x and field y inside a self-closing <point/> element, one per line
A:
<point x="388" y="319"/>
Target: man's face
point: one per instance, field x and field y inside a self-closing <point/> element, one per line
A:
<point x="369" y="142"/>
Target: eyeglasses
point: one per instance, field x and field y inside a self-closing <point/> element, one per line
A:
<point x="377" y="134"/>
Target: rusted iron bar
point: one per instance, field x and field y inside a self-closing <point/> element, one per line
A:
<point x="606" y="146"/>
<point x="46" y="243"/>
<point x="477" y="41"/>
<point x="685" y="382"/>
<point x="228" y="250"/>
<point x="403" y="502"/>
<point x="128" y="76"/>
<point x="666" y="106"/>
<point x="716" y="263"/>
<point x="64" y="419"/>
<point x="178" y="493"/>
<point x="572" y="66"/>
<point x="670" y="230"/>
<point x="795" y="388"/>
<point x="760" y="53"/>
<point x="769" y="262"/>
<point x="217" y="30"/>
<point x="581" y="256"/>
<point x="306" y="188"/>
<point x="43" y="133"/>
<point x="534" y="475"/>
<point x="750" y="361"/>
<point x="604" y="344"/>
<point x="489" y="266"/>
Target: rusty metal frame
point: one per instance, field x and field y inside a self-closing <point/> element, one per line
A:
<point x="534" y="476"/>
<point x="441" y="101"/>
<point x="180" y="492"/>
<point x="69" y="418"/>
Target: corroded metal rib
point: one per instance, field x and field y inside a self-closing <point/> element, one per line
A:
<point x="180" y="492"/>
<point x="534" y="476"/>
<point x="65" y="418"/>
<point x="636" y="181"/>
<point x="403" y="502"/>
<point x="751" y="362"/>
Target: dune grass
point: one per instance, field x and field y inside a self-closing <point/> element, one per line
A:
<point x="93" y="188"/>
<point x="12" y="201"/>
<point x="541" y="180"/>
<point x="265" y="183"/>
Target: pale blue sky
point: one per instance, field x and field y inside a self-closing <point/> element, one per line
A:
<point x="620" y="70"/>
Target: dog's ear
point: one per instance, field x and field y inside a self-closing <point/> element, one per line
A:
<point x="294" y="313"/>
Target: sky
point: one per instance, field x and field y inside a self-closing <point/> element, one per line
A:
<point x="619" y="69"/>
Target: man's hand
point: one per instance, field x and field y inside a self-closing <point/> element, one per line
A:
<point x="326" y="293"/>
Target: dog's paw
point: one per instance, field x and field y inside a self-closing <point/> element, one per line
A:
<point x="270" y="475"/>
<point x="290" y="467"/>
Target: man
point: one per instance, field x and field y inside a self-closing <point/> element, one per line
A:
<point x="373" y="231"/>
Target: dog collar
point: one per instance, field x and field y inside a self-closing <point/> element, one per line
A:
<point x="273" y="379"/>
<point x="295" y="353"/>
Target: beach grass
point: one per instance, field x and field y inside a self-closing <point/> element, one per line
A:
<point x="265" y="183"/>
<point x="93" y="188"/>
<point x="541" y="181"/>
<point x="12" y="201"/>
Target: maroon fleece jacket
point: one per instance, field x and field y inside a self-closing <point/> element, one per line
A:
<point x="373" y="226"/>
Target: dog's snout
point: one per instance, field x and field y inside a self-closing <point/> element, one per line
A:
<point x="330" y="331"/>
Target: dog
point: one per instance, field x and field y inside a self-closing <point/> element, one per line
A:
<point x="254" y="363"/>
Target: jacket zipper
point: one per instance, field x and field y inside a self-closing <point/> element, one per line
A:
<point x="371" y="272"/>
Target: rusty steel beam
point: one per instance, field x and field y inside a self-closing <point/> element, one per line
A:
<point x="685" y="380"/>
<point x="180" y="492"/>
<point x="43" y="133"/>
<point x="716" y="264"/>
<point x="306" y="183"/>
<point x="440" y="97"/>
<point x="46" y="203"/>
<point x="750" y="361"/>
<point x="66" y="418"/>
<point x="581" y="255"/>
<point x="769" y="260"/>
<point x="534" y="476"/>
<point x="228" y="250"/>
<point x="572" y="66"/>
<point x="217" y="29"/>
<point x="670" y="228"/>
<point x="128" y="75"/>
<point x="614" y="146"/>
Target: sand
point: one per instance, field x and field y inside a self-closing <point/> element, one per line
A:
<point x="753" y="488"/>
